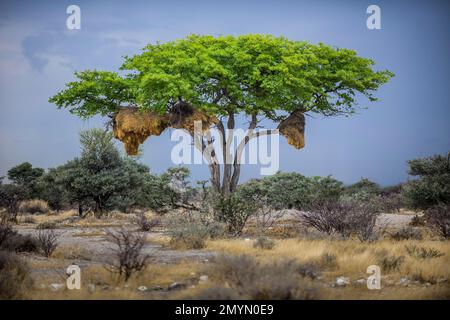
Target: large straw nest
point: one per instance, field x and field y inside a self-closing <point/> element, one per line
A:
<point x="184" y="116"/>
<point x="133" y="127"/>
<point x="293" y="128"/>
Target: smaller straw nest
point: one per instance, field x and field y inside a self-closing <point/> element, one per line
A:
<point x="293" y="128"/>
<point x="133" y="127"/>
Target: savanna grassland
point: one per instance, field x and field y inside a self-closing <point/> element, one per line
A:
<point x="294" y="263"/>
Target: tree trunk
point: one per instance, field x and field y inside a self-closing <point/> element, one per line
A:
<point x="80" y="210"/>
<point x="98" y="207"/>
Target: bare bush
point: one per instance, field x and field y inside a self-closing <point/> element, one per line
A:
<point x="11" y="240"/>
<point x="146" y="224"/>
<point x="34" y="206"/>
<point x="48" y="241"/>
<point x="251" y="279"/>
<point x="267" y="217"/>
<point x="14" y="276"/>
<point x="406" y="233"/>
<point x="128" y="253"/>
<point x="438" y="217"/>
<point x="391" y="203"/>
<point x="342" y="218"/>
<point x="418" y="221"/>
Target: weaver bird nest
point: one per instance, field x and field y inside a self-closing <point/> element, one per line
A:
<point x="133" y="126"/>
<point x="293" y="128"/>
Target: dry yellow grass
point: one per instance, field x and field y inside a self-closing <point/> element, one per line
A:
<point x="108" y="286"/>
<point x="352" y="256"/>
<point x="72" y="252"/>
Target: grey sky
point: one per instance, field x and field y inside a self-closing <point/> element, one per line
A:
<point x="38" y="55"/>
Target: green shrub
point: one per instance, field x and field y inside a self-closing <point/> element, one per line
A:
<point x="190" y="236"/>
<point x="191" y="230"/>
<point x="290" y="191"/>
<point x="234" y="212"/>
<point x="433" y="184"/>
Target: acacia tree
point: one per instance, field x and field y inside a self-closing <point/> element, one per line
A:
<point x="257" y="76"/>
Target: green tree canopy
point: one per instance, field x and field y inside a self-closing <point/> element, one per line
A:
<point x="261" y="76"/>
<point x="432" y="186"/>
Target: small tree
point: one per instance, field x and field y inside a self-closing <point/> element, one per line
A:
<point x="432" y="186"/>
<point x="26" y="177"/>
<point x="101" y="174"/>
<point x="52" y="188"/>
<point x="10" y="197"/>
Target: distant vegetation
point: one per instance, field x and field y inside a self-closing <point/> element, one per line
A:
<point x="102" y="180"/>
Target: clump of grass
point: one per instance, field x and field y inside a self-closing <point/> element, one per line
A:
<point x="423" y="278"/>
<point x="14" y="276"/>
<point x="35" y="206"/>
<point x="328" y="261"/>
<point x="422" y="252"/>
<point x="391" y="263"/>
<point x="190" y="231"/>
<point x="264" y="243"/>
<point x="146" y="224"/>
<point x="217" y="293"/>
<point x="46" y="225"/>
<point x="72" y="253"/>
<point x="29" y="219"/>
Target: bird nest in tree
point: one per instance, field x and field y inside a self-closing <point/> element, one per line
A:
<point x="293" y="128"/>
<point x="133" y="127"/>
<point x="184" y="116"/>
